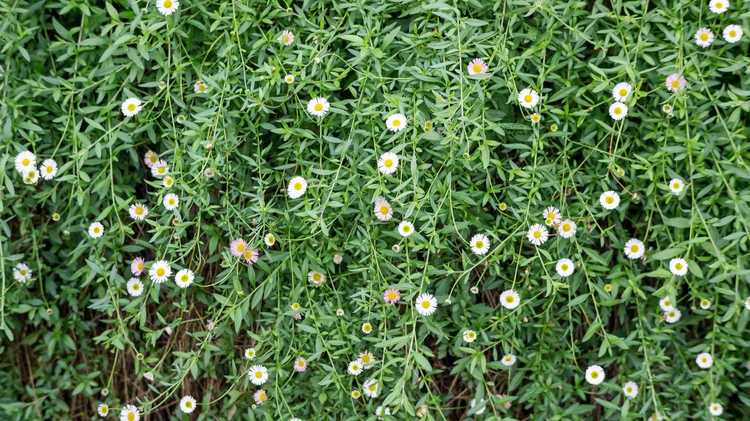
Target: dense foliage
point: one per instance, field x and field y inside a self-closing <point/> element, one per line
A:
<point x="385" y="115"/>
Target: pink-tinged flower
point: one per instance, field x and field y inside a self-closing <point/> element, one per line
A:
<point x="300" y="365"/>
<point x="137" y="266"/>
<point x="238" y="247"/>
<point x="675" y="82"/>
<point x="391" y="296"/>
<point x="251" y="255"/>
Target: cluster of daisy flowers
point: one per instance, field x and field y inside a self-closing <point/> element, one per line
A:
<point x="731" y="33"/>
<point x="26" y="166"/>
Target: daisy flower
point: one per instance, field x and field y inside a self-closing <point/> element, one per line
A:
<point x="622" y="91"/>
<point x="237" y="247"/>
<point x="383" y="210"/>
<point x="551" y="216"/>
<point x="609" y="200"/>
<point x="269" y="239"/>
<point x="251" y="255"/>
<point x="31" y="176"/>
<point x="289" y="79"/>
<point x="366" y="328"/>
<point x="426" y="304"/>
<point x="678" y="266"/>
<point x="618" y="111"/>
<point x="704" y="37"/>
<point x="391" y="296"/>
<point x="187" y="404"/>
<point x="260" y="396"/>
<point x="704" y="360"/>
<point x="258" y="374"/>
<point x="138" y="212"/>
<point x="286" y="38"/>
<point x="528" y="98"/>
<point x="368" y="360"/>
<point x="130" y="413"/>
<point x="48" y="169"/>
<point x="510" y="299"/>
<point x="718" y="6"/>
<point x="134" y="287"/>
<point x="102" y="409"/>
<point x="25" y="161"/>
<point x="672" y="316"/>
<point x="594" y="375"/>
<point x="630" y="390"/>
<point x="249" y="353"/>
<point x="318" y="106"/>
<point x="337" y="259"/>
<point x="634" y="248"/>
<point x="535" y="118"/>
<point x="200" y="87"/>
<point x="160" y="168"/>
<point x="355" y="367"/>
<point x="137" y="266"/>
<point x="715" y="409"/>
<point x="297" y="187"/>
<point x="22" y="273"/>
<point x="184" y="277"/>
<point x="396" y="122"/>
<point x="666" y="304"/>
<point x="131" y="107"/>
<point x="564" y="267"/>
<point x="171" y="201"/>
<point x="388" y="163"/>
<point x="150" y="158"/>
<point x="167" y="7"/>
<point x="567" y="229"/>
<point x="732" y="33"/>
<point x="469" y="336"/>
<point x="96" y="230"/>
<point x="160" y="271"/>
<point x="537" y="234"/>
<point x="676" y="186"/>
<point x="371" y="388"/>
<point x="508" y="360"/>
<point x="300" y="365"/>
<point x="480" y="244"/>
<point x="405" y="228"/>
<point x="676" y="82"/>
<point x="316" y="278"/>
<point x="477" y="67"/>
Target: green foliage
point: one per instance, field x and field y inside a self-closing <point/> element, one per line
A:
<point x="470" y="162"/>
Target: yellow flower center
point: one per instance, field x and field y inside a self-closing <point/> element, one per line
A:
<point x="678" y="266"/>
<point x="384" y="210"/>
<point x="527" y="98"/>
<point x="732" y="33"/>
<point x="594" y="374"/>
<point x="407" y="228"/>
<point x="537" y="234"/>
<point x="298" y="186"/>
<point x="676" y="185"/>
<point x="188" y="404"/>
<point x="131" y="107"/>
<point x="566" y="227"/>
<point x="96" y="230"/>
<point x="564" y="267"/>
<point x="136" y="287"/>
<point x="185" y="278"/>
<point x="131" y="416"/>
<point x="479" y="244"/>
<point x="704" y="36"/>
<point x="160" y="271"/>
<point x="609" y="200"/>
<point x="634" y="248"/>
<point x="719" y="5"/>
<point x="675" y="83"/>
<point x="168" y="4"/>
<point x="25" y="162"/>
<point x="318" y="107"/>
<point x="139" y="211"/>
<point x="477" y="67"/>
<point x="617" y="111"/>
<point x="396" y="122"/>
<point x="510" y="299"/>
<point x="258" y="375"/>
<point x="425" y="304"/>
<point x="388" y="163"/>
<point x="391" y="295"/>
<point x="50" y="169"/>
<point x="623" y="92"/>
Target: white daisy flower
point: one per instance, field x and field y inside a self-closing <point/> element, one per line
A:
<point x="249" y="353"/>
<point x="567" y="229"/>
<point x="131" y="107"/>
<point x="510" y="299"/>
<point x="258" y="375"/>
<point x="138" y="212"/>
<point x="396" y="122"/>
<point x="732" y="33"/>
<point x="316" y="278"/>
<point x="618" y="111"/>
<point x="355" y="367"/>
<point x="678" y="266"/>
<point x="318" y="106"/>
<point x="469" y="336"/>
<point x="171" y="201"/>
<point x="48" y="169"/>
<point x="676" y="82"/>
<point x="508" y="360"/>
<point x="537" y="234"/>
<point x="634" y="249"/>
<point x="704" y="37"/>
<point x="167" y="7"/>
<point x="630" y="390"/>
<point x="102" y="409"/>
<point x="25" y="161"/>
<point x="160" y="271"/>
<point x="96" y="230"/>
<point x="595" y="375"/>
<point x="31" y="176"/>
<point x="528" y="98"/>
<point x="666" y="304"/>
<point x="622" y="91"/>
<point x="718" y="6"/>
<point x="300" y="365"/>
<point x="160" y="168"/>
<point x="672" y="316"/>
<point x="704" y="360"/>
<point x="135" y="287"/>
<point x="130" y="413"/>
<point x="371" y="388"/>
<point x="405" y="228"/>
<point x="200" y="87"/>
<point x="184" y="277"/>
<point x="715" y="409"/>
<point x="260" y="397"/>
<point x="609" y="200"/>
<point x="286" y="38"/>
<point x="676" y="186"/>
<point x="426" y="304"/>
<point x="297" y="187"/>
<point x="368" y="360"/>
<point x="289" y="79"/>
<point x="477" y="67"/>
<point x="187" y="404"/>
<point x="480" y="244"/>
<point x="22" y="273"/>
<point x="564" y="267"/>
<point x="383" y="210"/>
<point x="388" y="163"/>
<point x="551" y="216"/>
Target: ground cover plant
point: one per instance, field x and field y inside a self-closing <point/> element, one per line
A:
<point x="283" y="210"/>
